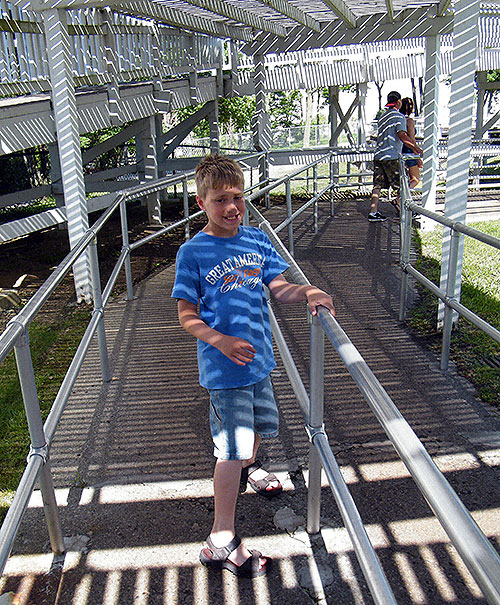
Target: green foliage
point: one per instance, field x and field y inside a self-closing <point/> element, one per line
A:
<point x="235" y="115"/>
<point x="493" y="75"/>
<point x="23" y="169"/>
<point x="109" y="159"/>
<point x="52" y="347"/>
<point x="11" y="213"/>
<point x="471" y="349"/>
<point x="285" y="109"/>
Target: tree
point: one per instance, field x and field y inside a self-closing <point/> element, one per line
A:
<point x="285" y="109"/>
<point x="235" y="115"/>
<point x="379" y="86"/>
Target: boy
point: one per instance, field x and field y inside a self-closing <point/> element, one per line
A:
<point x="224" y="268"/>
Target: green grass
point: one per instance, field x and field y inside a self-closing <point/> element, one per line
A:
<point x="473" y="352"/>
<point x="52" y="348"/>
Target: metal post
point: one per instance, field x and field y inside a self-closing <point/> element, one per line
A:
<point x="267" y="195"/>
<point x="126" y="246"/>
<point x="315" y="421"/>
<point x="332" y="183"/>
<point x="315" y="191"/>
<point x="98" y="308"/>
<point x="38" y="442"/>
<point x="450" y="290"/>
<point x="288" y="215"/>
<point x="185" y="200"/>
<point x="404" y="254"/>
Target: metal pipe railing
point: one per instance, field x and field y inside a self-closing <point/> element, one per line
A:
<point x="447" y="297"/>
<point x="353" y="523"/>
<point x="15" y="336"/>
<point x="478" y="554"/>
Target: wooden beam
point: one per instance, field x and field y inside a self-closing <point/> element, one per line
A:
<point x="159" y="12"/>
<point x="410" y="23"/>
<point x="121" y="137"/>
<point x="292" y="12"/>
<point x="231" y="11"/>
<point x="342" y="11"/>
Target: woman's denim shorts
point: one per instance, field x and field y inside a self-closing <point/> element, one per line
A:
<point x="237" y="414"/>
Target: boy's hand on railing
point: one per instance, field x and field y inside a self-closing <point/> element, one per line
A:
<point x="317" y="298"/>
<point x="236" y="349"/>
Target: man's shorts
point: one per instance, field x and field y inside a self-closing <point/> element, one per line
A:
<point x="237" y="414"/>
<point x="386" y="174"/>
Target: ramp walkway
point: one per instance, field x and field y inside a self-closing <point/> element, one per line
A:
<point x="132" y="460"/>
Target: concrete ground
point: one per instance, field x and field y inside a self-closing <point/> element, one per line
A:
<point x="132" y="458"/>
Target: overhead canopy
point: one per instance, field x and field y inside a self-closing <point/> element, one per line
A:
<point x="285" y="25"/>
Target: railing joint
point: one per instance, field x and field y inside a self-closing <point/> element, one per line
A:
<point x="314" y="431"/>
<point x="42" y="451"/>
<point x="404" y="266"/>
<point x="23" y="326"/>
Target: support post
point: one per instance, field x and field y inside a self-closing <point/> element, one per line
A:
<point x="465" y="43"/>
<point x="362" y="92"/>
<point x="333" y="182"/>
<point x="315" y="193"/>
<point x="288" y="195"/>
<point x="431" y="126"/>
<point x="68" y="139"/>
<point x="450" y="289"/>
<point x="315" y="421"/>
<point x="55" y="174"/>
<point x="185" y="201"/>
<point x="98" y="308"/>
<point x="38" y="442"/>
<point x="213" y="122"/>
<point x="148" y="165"/>
<point x="481" y="94"/>
<point x="125" y="243"/>
<point x="261" y="126"/>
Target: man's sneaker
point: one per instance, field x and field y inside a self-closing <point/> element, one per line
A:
<point x="376" y="217"/>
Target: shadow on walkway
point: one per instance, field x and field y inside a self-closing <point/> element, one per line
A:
<point x="132" y="459"/>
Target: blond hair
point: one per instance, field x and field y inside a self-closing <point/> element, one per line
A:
<point x="216" y="172"/>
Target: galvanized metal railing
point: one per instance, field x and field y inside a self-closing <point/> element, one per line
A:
<point x="473" y="546"/>
<point x="15" y="337"/>
<point x="452" y="305"/>
<point x="475" y="549"/>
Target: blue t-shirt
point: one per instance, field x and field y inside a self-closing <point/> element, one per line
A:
<point x="388" y="143"/>
<point x="226" y="276"/>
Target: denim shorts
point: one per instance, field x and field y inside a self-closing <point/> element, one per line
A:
<point x="237" y="414"/>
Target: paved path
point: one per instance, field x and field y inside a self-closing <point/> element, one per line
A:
<point x="132" y="459"/>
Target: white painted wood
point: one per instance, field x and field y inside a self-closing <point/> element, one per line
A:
<point x="431" y="125"/>
<point x="465" y="42"/>
<point x="66" y="120"/>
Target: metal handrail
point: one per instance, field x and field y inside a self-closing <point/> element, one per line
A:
<point x="17" y="327"/>
<point x="451" y="304"/>
<point x="475" y="549"/>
